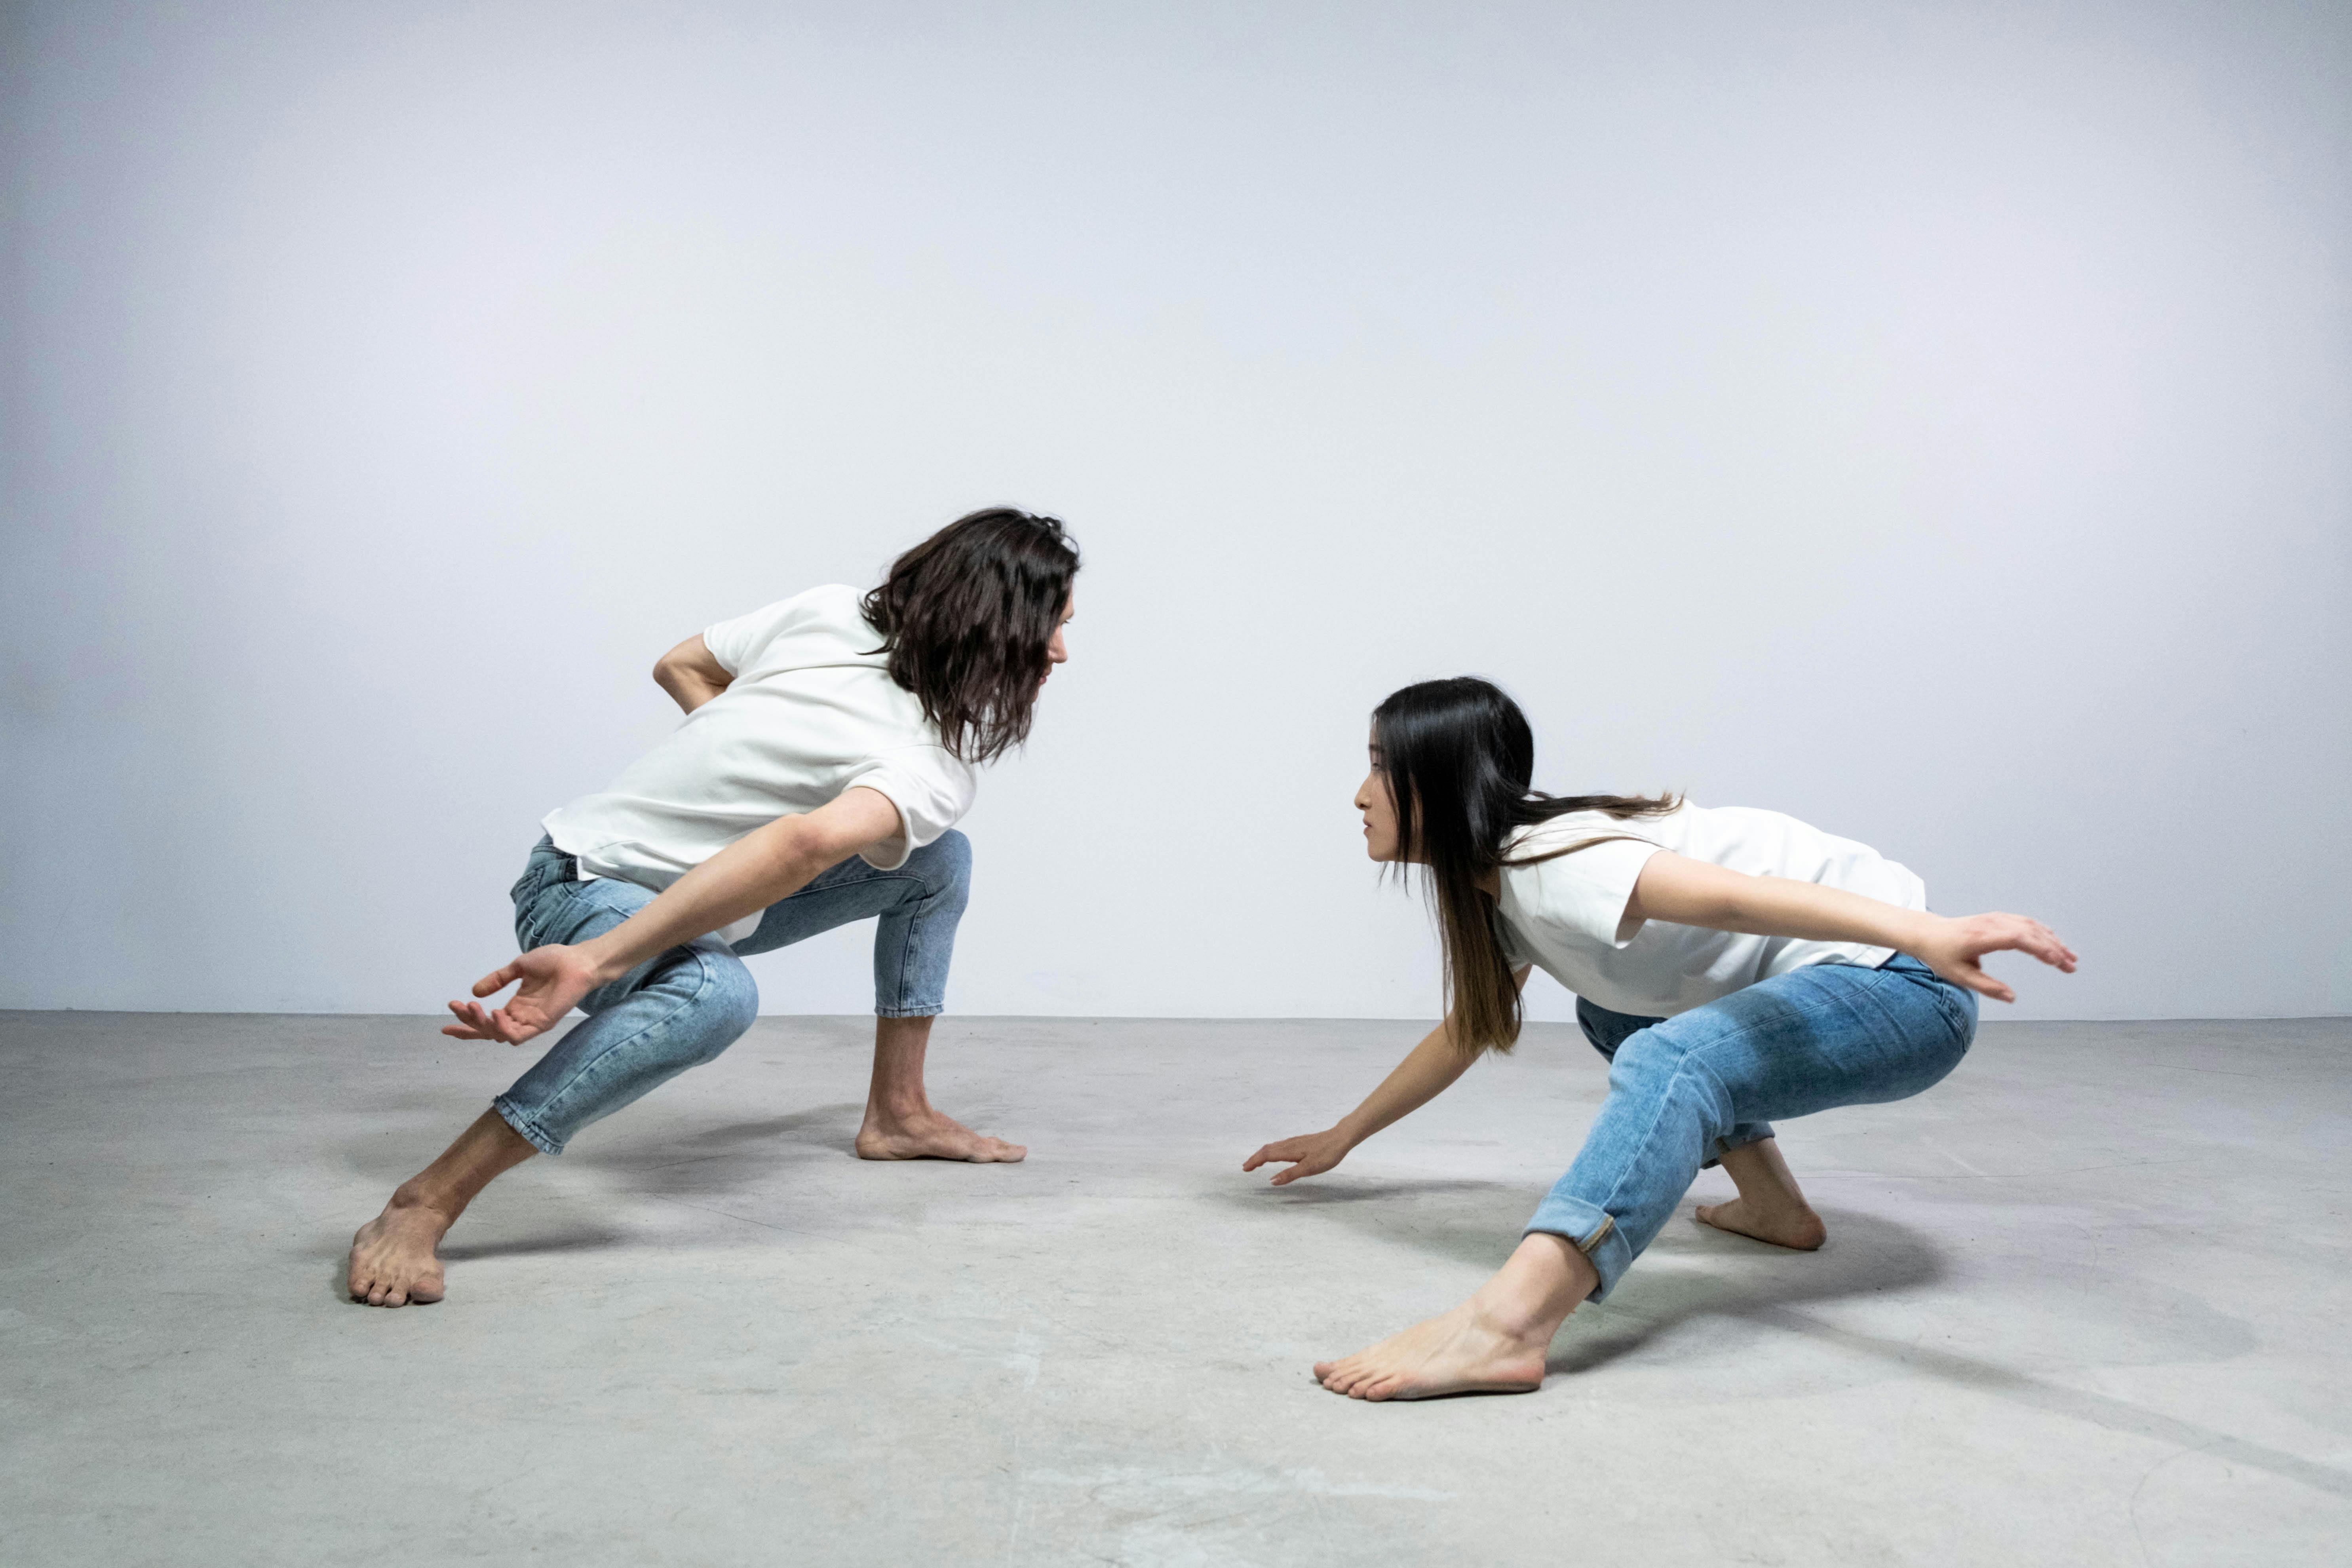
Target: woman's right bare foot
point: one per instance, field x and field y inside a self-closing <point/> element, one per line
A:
<point x="394" y="1260"/>
<point x="1797" y="1226"/>
<point x="1464" y="1350"/>
<point x="1492" y="1343"/>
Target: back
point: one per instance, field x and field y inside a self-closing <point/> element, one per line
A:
<point x="812" y="711"/>
<point x="1564" y="915"/>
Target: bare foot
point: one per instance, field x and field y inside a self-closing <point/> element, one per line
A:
<point x="1783" y="1225"/>
<point x="393" y="1258"/>
<point x="1466" y="1350"/>
<point x="928" y="1135"/>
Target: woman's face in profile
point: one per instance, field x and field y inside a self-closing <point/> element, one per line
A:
<point x="1058" y="651"/>
<point x="1378" y="803"/>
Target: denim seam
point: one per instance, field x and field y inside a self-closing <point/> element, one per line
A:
<point x="905" y="957"/>
<point x="905" y="961"/>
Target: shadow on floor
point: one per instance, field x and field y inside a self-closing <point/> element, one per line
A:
<point x="664" y="1163"/>
<point x="1478" y="1222"/>
<point x="1693" y="1275"/>
<point x="529" y="1245"/>
<point x="1740" y="1278"/>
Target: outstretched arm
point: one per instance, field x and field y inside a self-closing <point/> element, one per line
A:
<point x="690" y="674"/>
<point x="1682" y="891"/>
<point x="1422" y="1077"/>
<point x="763" y="866"/>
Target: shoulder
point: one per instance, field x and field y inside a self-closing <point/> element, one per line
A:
<point x="834" y="603"/>
<point x="1568" y="830"/>
<point x="816" y="626"/>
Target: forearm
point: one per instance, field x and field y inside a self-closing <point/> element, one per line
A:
<point x="691" y="674"/>
<point x="1422" y="1077"/>
<point x="768" y="864"/>
<point x="687" y="688"/>
<point x="1781" y="906"/>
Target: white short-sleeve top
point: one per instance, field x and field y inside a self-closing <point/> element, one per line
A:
<point x="1563" y="915"/>
<point x="811" y="713"/>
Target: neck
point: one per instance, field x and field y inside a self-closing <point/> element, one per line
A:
<point x="1490" y="882"/>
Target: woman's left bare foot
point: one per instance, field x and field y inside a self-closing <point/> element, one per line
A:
<point x="1770" y="1205"/>
<point x="928" y="1135"/>
<point x="1460" y="1351"/>
<point x="1796" y="1226"/>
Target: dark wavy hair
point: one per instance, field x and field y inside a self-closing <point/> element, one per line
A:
<point x="1459" y="758"/>
<point x="966" y="616"/>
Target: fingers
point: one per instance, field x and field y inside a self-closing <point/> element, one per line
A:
<point x="472" y="1024"/>
<point x="1980" y="934"/>
<point x="1976" y="979"/>
<point x="514" y="1031"/>
<point x="1281" y="1149"/>
<point x="492" y="983"/>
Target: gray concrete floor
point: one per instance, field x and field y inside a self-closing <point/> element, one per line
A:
<point x="2086" y="1303"/>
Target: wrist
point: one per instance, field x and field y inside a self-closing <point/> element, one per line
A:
<point x="1917" y="932"/>
<point x="604" y="958"/>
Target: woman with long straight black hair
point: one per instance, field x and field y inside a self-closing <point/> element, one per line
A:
<point x="1734" y="965"/>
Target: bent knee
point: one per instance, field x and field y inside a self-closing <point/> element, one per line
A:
<point x="728" y="1006"/>
<point x="944" y="866"/>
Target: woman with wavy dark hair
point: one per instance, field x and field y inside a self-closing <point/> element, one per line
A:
<point x="831" y="742"/>
<point x="1734" y="965"/>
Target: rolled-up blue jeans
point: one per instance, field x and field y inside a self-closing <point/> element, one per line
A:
<point x="683" y="1008"/>
<point x="1683" y="1091"/>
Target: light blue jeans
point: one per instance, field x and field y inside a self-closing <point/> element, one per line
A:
<point x="1683" y="1091"/>
<point x="682" y="1008"/>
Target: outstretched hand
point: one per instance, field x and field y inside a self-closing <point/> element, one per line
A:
<point x="1310" y="1156"/>
<point x="1956" y="944"/>
<point x="552" y="980"/>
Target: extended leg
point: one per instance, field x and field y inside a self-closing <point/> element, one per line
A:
<point x="1770" y="1206"/>
<point x="684" y="1007"/>
<point x="900" y="1124"/>
<point x="1493" y="1343"/>
<point x="394" y="1262"/>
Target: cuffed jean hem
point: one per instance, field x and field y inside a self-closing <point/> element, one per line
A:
<point x="908" y="1012"/>
<point x="524" y="1125"/>
<point x="1733" y="1140"/>
<point x="1590" y="1230"/>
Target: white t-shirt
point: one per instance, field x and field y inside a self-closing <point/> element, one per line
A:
<point x="1562" y="915"/>
<point x="812" y="711"/>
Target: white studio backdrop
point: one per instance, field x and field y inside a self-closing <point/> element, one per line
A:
<point x="1932" y="420"/>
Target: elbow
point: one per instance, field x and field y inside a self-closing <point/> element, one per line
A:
<point x="799" y="849"/>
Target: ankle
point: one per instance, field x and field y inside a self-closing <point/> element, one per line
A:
<point x="1547" y="1279"/>
<point x="415" y="1195"/>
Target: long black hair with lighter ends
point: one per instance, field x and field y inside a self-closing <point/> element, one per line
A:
<point x="966" y="617"/>
<point x="1460" y="760"/>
